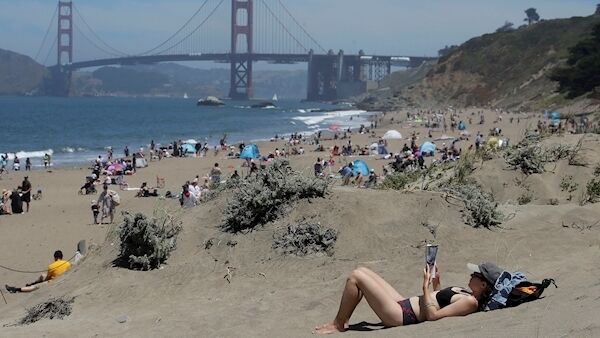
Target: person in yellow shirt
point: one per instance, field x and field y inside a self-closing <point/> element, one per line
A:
<point x="55" y="269"/>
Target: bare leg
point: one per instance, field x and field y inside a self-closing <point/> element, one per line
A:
<point x="359" y="284"/>
<point x="385" y="285"/>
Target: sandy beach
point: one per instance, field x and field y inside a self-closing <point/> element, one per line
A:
<point x="270" y="295"/>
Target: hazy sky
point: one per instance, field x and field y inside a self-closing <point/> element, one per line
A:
<point x="397" y="27"/>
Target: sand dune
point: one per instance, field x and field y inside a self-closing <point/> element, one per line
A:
<point x="273" y="295"/>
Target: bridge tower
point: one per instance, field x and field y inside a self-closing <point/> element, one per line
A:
<point x="241" y="58"/>
<point x="65" y="32"/>
<point x="59" y="81"/>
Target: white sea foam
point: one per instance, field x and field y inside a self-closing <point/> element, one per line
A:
<point x="72" y="150"/>
<point x="31" y="154"/>
<point x="334" y="115"/>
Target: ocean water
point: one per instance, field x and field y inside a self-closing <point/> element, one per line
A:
<point x="76" y="130"/>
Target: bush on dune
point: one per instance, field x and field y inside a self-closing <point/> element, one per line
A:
<point x="261" y="198"/>
<point x="305" y="238"/>
<point x="146" y="243"/>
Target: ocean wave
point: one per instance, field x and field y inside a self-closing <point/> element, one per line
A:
<point x="72" y="150"/>
<point x="31" y="154"/>
<point x="313" y="120"/>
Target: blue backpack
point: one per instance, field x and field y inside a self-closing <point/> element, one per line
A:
<point x="514" y="289"/>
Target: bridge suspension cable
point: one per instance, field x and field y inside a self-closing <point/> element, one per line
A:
<point x="46" y="36"/>
<point x="94" y="43"/>
<point x="278" y="21"/>
<point x="50" y="51"/>
<point x="182" y="40"/>
<point x="116" y="51"/>
<point x="301" y="27"/>
<point x="178" y="31"/>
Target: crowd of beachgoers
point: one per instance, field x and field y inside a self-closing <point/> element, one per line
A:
<point x="448" y="134"/>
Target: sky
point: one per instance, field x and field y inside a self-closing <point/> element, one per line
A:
<point x="384" y="27"/>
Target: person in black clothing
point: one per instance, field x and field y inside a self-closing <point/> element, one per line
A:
<point x="26" y="191"/>
<point x="16" y="203"/>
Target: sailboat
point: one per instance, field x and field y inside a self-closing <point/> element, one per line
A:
<point x="185" y="96"/>
<point x="274" y="97"/>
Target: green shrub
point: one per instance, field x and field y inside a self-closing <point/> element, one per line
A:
<point x="262" y="198"/>
<point x="146" y="243"/>
<point x="593" y="190"/>
<point x="481" y="209"/>
<point x="305" y="238"/>
<point x="399" y="180"/>
<point x="525" y="198"/>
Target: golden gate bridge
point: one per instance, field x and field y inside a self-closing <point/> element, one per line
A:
<point x="259" y="30"/>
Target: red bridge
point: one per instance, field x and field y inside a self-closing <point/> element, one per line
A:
<point x="261" y="30"/>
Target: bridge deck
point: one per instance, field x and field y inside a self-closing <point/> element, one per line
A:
<point x="404" y="61"/>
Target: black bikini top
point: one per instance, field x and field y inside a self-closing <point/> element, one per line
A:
<point x="444" y="296"/>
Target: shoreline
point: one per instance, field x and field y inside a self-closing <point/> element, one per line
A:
<point x="87" y="157"/>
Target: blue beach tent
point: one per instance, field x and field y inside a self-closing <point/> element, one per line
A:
<point x="188" y="148"/>
<point x="359" y="166"/>
<point x="555" y="117"/>
<point x="250" y="151"/>
<point x="428" y="148"/>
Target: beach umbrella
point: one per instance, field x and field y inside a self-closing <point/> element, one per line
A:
<point x="249" y="152"/>
<point x="115" y="167"/>
<point x="493" y="142"/>
<point x="190" y="141"/>
<point x="428" y="147"/>
<point x="392" y="135"/>
<point x="360" y="166"/>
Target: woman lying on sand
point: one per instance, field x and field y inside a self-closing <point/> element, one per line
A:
<point x="396" y="310"/>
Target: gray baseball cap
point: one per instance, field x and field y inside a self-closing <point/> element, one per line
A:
<point x="490" y="271"/>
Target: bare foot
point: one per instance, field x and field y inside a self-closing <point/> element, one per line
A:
<point x="329" y="328"/>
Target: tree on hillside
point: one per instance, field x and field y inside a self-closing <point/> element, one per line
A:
<point x="582" y="72"/>
<point x="507" y="27"/>
<point x="446" y="50"/>
<point x="532" y="16"/>
<point x="597" y="10"/>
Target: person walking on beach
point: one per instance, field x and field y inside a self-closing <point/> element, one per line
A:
<point x="28" y="164"/>
<point x="16" y="163"/>
<point x="56" y="269"/>
<point x="3" y="162"/>
<point x="126" y="151"/>
<point x="107" y="203"/>
<point x="215" y="174"/>
<point x="26" y="191"/>
<point x="46" y="160"/>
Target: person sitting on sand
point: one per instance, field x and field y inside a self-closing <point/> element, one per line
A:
<point x="396" y="310"/>
<point x="145" y="191"/>
<point x="55" y="269"/>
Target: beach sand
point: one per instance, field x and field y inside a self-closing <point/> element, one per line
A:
<point x="271" y="295"/>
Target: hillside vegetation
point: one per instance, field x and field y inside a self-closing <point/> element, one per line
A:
<point x="19" y="74"/>
<point x="509" y="69"/>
